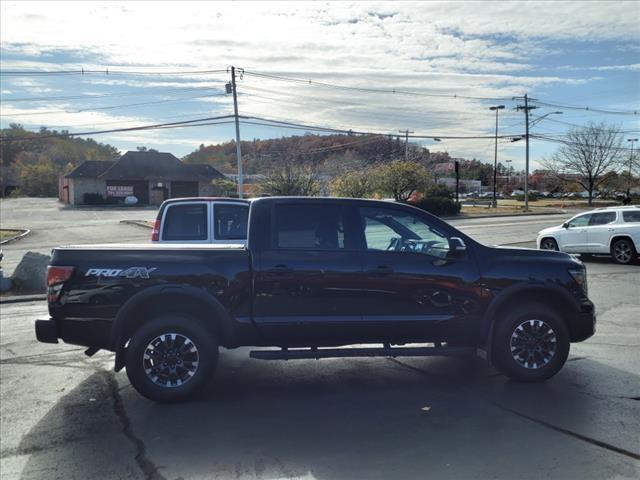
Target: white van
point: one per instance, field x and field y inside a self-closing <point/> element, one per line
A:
<point x="202" y="220"/>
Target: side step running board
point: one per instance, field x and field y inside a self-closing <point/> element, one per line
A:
<point x="318" y="353"/>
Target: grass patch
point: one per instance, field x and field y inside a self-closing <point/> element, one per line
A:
<point x="8" y="234"/>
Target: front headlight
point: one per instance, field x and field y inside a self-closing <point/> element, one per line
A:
<point x="579" y="275"/>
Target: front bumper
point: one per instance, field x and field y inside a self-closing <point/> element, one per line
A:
<point x="584" y="325"/>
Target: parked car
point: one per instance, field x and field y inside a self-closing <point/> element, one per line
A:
<point x="611" y="231"/>
<point x="202" y="220"/>
<point x="317" y="274"/>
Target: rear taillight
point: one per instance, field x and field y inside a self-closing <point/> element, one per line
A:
<point x="56" y="276"/>
<point x="155" y="234"/>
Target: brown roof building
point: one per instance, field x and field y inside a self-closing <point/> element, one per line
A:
<point x="151" y="177"/>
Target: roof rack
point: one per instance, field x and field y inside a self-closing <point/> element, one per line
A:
<point x="619" y="207"/>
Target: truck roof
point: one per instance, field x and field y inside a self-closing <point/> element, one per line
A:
<point x="207" y="199"/>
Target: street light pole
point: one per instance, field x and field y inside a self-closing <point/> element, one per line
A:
<point x="632" y="140"/>
<point x="495" y="157"/>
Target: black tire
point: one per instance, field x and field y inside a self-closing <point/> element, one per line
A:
<point x="185" y="372"/>
<point x="536" y="322"/>
<point x="623" y="251"/>
<point x="548" y="244"/>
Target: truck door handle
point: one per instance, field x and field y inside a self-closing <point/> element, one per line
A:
<point x="280" y="268"/>
<point x="381" y="269"/>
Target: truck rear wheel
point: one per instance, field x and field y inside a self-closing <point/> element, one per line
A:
<point x="170" y="358"/>
<point x="531" y="344"/>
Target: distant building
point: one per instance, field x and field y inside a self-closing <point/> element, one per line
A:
<point x="151" y="177"/>
<point x="465" y="185"/>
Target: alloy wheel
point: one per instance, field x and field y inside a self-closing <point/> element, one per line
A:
<point x="622" y="252"/>
<point x="533" y="344"/>
<point x="548" y="244"/>
<point x="170" y="360"/>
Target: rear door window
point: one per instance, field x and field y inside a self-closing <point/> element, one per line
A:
<point x="631" y="217"/>
<point x="230" y="221"/>
<point x="309" y="227"/>
<point x="602" y="218"/>
<point x="186" y="222"/>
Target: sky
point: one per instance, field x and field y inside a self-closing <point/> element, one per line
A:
<point x="367" y="66"/>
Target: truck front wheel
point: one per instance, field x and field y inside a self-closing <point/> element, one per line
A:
<point x="531" y="343"/>
<point x="170" y="358"/>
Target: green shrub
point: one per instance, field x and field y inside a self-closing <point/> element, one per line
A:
<point x="439" y="206"/>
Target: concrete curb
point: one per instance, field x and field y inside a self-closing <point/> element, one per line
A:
<point x="23" y="298"/>
<point x="528" y="214"/>
<point x="17" y="237"/>
<point x="137" y="223"/>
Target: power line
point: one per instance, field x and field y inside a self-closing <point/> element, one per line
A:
<point x="354" y="132"/>
<point x="115" y="130"/>
<point x="91" y="96"/>
<point x="86" y="126"/>
<point x="112" y="107"/>
<point x="580" y="144"/>
<point x="583" y="126"/>
<point x="369" y="90"/>
<point x="589" y="109"/>
<point x="106" y="71"/>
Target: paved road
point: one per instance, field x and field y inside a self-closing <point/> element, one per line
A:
<point x="52" y="224"/>
<point x="65" y="416"/>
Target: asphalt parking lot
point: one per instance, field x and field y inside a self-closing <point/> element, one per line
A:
<point x="66" y="416"/>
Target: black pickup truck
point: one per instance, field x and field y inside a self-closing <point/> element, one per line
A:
<point x="317" y="274"/>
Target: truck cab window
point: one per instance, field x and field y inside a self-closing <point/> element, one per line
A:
<point x="398" y="231"/>
<point x="309" y="227"/>
<point x="185" y="222"/>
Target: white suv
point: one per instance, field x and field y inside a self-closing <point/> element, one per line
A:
<point x="612" y="231"/>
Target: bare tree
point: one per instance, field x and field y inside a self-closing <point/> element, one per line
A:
<point x="587" y="155"/>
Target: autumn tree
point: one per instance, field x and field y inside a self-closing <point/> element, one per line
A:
<point x="38" y="175"/>
<point x="400" y="179"/>
<point x="290" y="180"/>
<point x="587" y="155"/>
<point x="223" y="187"/>
<point x="356" y="184"/>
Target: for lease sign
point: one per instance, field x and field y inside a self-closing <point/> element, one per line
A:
<point x="119" y="190"/>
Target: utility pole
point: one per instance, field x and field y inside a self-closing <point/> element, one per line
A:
<point x="457" y="167"/>
<point x="237" y="119"/>
<point x="406" y="143"/>
<point x="495" y="158"/>
<point x="632" y="140"/>
<point x="526" y="109"/>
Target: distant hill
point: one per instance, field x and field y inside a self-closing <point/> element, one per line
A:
<point x="320" y="151"/>
<point x="332" y="154"/>
<point x="35" y="159"/>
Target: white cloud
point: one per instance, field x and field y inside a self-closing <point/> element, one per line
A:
<point x="485" y="49"/>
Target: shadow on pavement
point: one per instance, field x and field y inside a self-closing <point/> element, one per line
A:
<point x="341" y="419"/>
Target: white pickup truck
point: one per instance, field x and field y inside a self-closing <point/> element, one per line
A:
<point x="611" y="231"/>
<point x="202" y="220"/>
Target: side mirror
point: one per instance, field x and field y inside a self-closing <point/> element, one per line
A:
<point x="565" y="225"/>
<point x="457" y="248"/>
